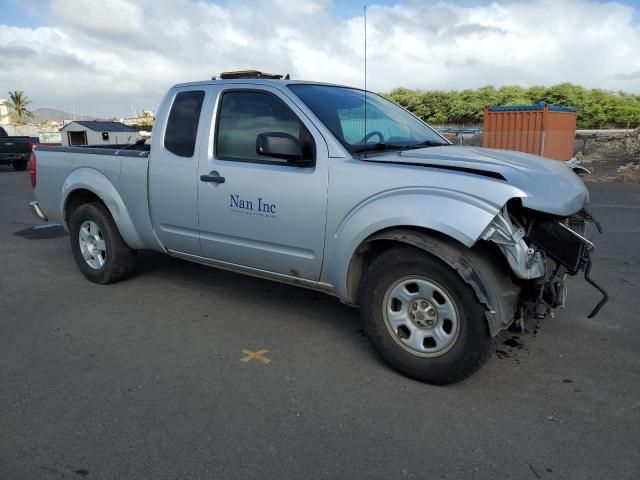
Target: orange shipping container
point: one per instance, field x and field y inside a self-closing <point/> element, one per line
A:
<point x="542" y="129"/>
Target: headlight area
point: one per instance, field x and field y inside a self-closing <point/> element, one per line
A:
<point x="563" y="240"/>
<point x="542" y="250"/>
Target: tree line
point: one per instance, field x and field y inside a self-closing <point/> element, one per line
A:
<point x="596" y="108"/>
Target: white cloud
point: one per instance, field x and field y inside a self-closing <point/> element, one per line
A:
<point x="102" y="57"/>
<point x="111" y="17"/>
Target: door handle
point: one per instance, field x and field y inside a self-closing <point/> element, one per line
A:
<point x="213" y="177"/>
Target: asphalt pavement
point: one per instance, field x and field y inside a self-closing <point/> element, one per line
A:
<point x="164" y="376"/>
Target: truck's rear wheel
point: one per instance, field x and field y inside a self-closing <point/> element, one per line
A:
<point x="20" y="165"/>
<point x="422" y="318"/>
<point x="98" y="248"/>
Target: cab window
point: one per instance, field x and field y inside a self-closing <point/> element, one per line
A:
<point x="243" y="115"/>
<point x="182" y="125"/>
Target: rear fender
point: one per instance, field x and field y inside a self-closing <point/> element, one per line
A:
<point x="97" y="183"/>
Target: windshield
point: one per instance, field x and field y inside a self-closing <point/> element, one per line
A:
<point x="388" y="126"/>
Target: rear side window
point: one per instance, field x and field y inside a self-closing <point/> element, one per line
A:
<point x="182" y="126"/>
<point x="245" y="114"/>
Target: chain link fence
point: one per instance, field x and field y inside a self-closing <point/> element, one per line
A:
<point x="610" y="155"/>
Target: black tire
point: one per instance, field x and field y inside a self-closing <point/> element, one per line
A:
<point x="119" y="259"/>
<point x="466" y="353"/>
<point x="20" y="165"/>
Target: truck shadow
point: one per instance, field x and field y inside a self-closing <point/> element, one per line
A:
<point x="42" y="232"/>
<point x="297" y="303"/>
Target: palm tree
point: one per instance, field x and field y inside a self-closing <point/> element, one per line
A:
<point x="17" y="105"/>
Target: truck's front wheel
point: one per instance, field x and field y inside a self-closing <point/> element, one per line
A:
<point x="422" y="318"/>
<point x="98" y="248"/>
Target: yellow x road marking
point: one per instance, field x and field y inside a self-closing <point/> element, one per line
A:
<point x="259" y="355"/>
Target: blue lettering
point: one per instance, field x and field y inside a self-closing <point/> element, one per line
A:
<point x="266" y="207"/>
<point x="237" y="202"/>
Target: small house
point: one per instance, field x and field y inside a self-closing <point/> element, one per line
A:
<point x="85" y="132"/>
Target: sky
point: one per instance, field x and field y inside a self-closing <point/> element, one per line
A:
<point x="107" y="57"/>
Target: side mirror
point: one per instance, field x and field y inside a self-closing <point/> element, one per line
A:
<point x="281" y="145"/>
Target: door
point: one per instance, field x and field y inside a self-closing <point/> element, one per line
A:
<point x="267" y="214"/>
<point x="173" y="195"/>
<point x="77" y="138"/>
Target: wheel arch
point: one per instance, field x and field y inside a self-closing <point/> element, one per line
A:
<point x="87" y="185"/>
<point x="74" y="200"/>
<point x="482" y="267"/>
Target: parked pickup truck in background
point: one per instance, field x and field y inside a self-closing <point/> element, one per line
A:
<point x="14" y="150"/>
<point x="442" y="247"/>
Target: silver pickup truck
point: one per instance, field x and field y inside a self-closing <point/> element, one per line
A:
<point x="335" y="189"/>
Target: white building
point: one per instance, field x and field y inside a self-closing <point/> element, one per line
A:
<point x="84" y="132"/>
<point x="4" y="112"/>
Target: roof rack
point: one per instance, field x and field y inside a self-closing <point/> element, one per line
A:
<point x="250" y="74"/>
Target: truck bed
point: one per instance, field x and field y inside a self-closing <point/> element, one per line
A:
<point x="116" y="174"/>
<point x="15" y="148"/>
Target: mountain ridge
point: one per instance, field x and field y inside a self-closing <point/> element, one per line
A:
<point x="45" y="114"/>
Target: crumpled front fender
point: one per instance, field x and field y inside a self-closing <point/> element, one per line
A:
<point x="460" y="216"/>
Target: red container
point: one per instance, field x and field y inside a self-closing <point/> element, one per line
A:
<point x="542" y="129"/>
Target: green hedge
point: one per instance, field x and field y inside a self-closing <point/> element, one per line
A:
<point x="596" y="108"/>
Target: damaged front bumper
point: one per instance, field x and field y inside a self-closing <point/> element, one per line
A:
<point x="543" y="250"/>
<point x="525" y="262"/>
